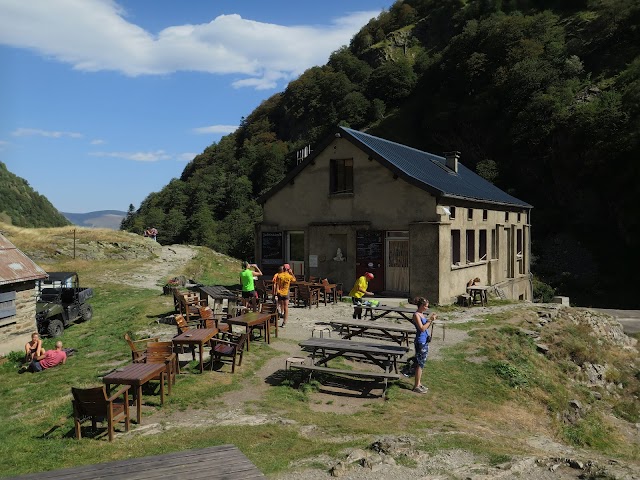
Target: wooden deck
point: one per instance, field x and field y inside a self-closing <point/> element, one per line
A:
<point x="221" y="462"/>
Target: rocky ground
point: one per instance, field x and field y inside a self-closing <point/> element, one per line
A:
<point x="548" y="459"/>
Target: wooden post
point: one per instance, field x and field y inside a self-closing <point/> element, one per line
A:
<point x="74" y="243"/>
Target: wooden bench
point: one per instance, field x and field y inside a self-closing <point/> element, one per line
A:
<point x="386" y="376"/>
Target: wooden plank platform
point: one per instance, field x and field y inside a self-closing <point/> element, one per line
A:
<point x="220" y="462"/>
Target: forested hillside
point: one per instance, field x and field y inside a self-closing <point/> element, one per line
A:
<point x="541" y="97"/>
<point x="21" y="206"/>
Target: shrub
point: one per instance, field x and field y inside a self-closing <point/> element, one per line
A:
<point x="542" y="292"/>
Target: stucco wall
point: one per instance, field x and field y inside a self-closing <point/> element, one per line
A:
<point x="377" y="198"/>
<point x="25" y="318"/>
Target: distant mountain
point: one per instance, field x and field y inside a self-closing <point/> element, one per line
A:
<point x="22" y="206"/>
<point x="100" y="219"/>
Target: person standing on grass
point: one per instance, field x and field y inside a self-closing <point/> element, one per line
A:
<point x="283" y="282"/>
<point x="422" y="340"/>
<point x="359" y="290"/>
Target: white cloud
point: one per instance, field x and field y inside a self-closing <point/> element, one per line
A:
<point x="98" y="141"/>
<point x="187" y="156"/>
<point x="216" y="129"/>
<point x="135" y="156"/>
<point x="34" y="132"/>
<point x="93" y="35"/>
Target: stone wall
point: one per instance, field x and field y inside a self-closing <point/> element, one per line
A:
<point x="25" y="318"/>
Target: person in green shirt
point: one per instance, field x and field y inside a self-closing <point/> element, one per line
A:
<point x="359" y="290"/>
<point x="249" y="297"/>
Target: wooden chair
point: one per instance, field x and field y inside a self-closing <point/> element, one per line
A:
<point x="308" y="295"/>
<point x="271" y="309"/>
<point x="230" y="347"/>
<point x="313" y="279"/>
<point x="93" y="404"/>
<point x="326" y="293"/>
<point x="209" y="319"/>
<point x="183" y="327"/>
<point x="138" y="347"/>
<point x="187" y="303"/>
<point x="162" y="352"/>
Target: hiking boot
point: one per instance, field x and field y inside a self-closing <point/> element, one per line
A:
<point x="421" y="389"/>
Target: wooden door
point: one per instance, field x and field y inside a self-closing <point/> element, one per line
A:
<point x="295" y="252"/>
<point x="397" y="268"/>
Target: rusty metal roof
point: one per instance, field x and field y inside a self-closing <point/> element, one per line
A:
<point x="15" y="266"/>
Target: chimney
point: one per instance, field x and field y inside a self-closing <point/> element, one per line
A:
<point x="452" y="160"/>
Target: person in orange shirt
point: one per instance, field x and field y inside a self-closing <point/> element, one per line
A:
<point x="283" y="282"/>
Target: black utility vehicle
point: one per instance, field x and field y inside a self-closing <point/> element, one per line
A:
<point x="61" y="302"/>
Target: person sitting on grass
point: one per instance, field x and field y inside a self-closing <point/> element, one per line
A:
<point x="33" y="348"/>
<point x="49" y="359"/>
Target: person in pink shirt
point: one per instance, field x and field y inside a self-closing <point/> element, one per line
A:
<point x="51" y="358"/>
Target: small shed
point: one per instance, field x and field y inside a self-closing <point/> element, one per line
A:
<point x="18" y="276"/>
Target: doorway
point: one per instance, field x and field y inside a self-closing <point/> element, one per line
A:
<point x="295" y="252"/>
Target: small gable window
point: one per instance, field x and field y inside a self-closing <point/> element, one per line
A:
<point x="341" y="175"/>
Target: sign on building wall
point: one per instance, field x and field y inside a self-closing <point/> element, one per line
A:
<point x="272" y="248"/>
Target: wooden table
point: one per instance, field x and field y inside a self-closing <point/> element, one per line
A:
<point x="251" y="319"/>
<point x="136" y="375"/>
<point x="478" y="291"/>
<point x="219" y="294"/>
<point x="397" y="332"/>
<point x="384" y="310"/>
<point x="214" y="463"/>
<point x="383" y="355"/>
<point x="196" y="336"/>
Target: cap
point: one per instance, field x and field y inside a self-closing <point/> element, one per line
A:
<point x="286" y="266"/>
<point x="369" y="275"/>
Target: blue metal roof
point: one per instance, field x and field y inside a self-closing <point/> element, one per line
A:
<point x="430" y="172"/>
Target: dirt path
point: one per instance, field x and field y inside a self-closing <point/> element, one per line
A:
<point x="172" y="259"/>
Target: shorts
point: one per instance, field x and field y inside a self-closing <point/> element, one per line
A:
<point x="422" y="350"/>
<point x="283" y="297"/>
<point x="250" y="294"/>
<point x="35" y="366"/>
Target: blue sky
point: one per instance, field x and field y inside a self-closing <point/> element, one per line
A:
<point x="103" y="102"/>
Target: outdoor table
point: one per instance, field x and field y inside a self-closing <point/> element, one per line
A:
<point x="383" y="355"/>
<point x="218" y="294"/>
<point x="251" y="319"/>
<point x="479" y="291"/>
<point x="384" y="310"/>
<point x="196" y="336"/>
<point x="399" y="333"/>
<point x="136" y="375"/>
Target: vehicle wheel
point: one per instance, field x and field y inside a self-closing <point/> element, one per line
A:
<point x="55" y="328"/>
<point x="86" y="311"/>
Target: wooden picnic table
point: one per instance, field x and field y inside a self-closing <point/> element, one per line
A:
<point x="136" y="375"/>
<point x="251" y="319"/>
<point x="385" y="310"/>
<point x="220" y="462"/>
<point x="479" y="291"/>
<point x="383" y="355"/>
<point x="196" y="336"/>
<point x="398" y="332"/>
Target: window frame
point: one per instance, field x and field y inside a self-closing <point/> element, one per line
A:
<point x="341" y="172"/>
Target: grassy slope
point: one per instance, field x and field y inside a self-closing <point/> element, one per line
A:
<point x="488" y="407"/>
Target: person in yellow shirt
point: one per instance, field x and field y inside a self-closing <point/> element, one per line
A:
<point x="283" y="282"/>
<point x="359" y="290"/>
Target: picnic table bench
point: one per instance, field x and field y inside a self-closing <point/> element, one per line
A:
<point x="220" y="462"/>
<point x="325" y="349"/>
<point x="396" y="332"/>
<point x="380" y="311"/>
